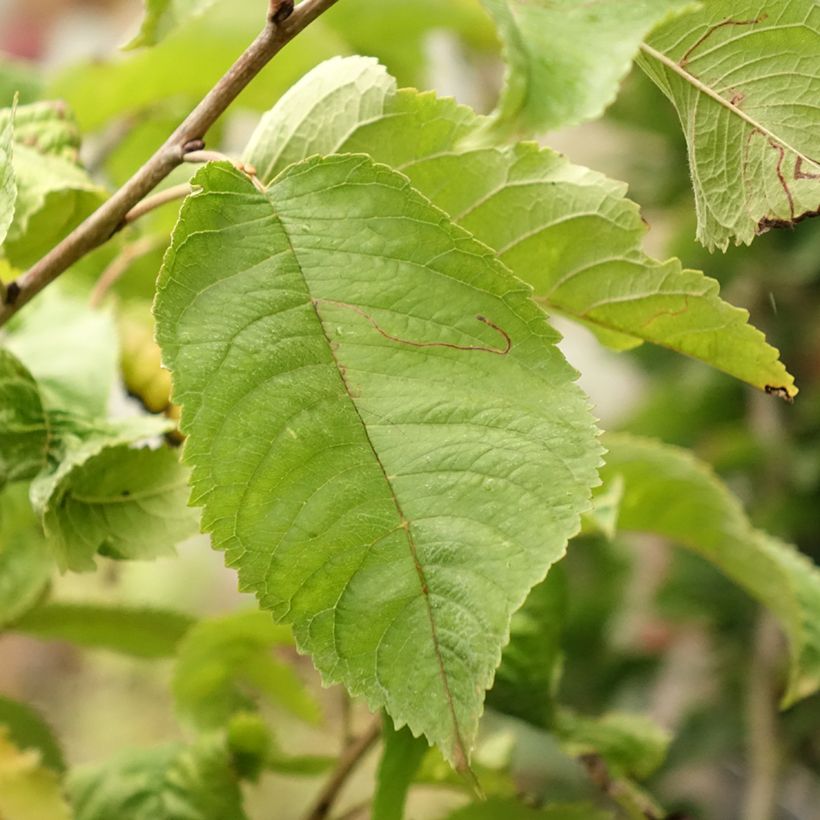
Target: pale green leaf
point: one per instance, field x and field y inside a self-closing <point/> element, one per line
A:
<point x="401" y="757"/>
<point x="744" y="76"/>
<point x="669" y="492"/>
<point x="566" y="59"/>
<point x="54" y="192"/>
<point x="162" y="16"/>
<point x="368" y="396"/>
<point x="28" y="790"/>
<point x="24" y="433"/>
<point x="26" y="729"/>
<point x="172" y="782"/>
<point x="26" y="564"/>
<point x="8" y="183"/>
<point x="220" y="659"/>
<point x="567" y="231"/>
<point x="134" y="631"/>
<point x="631" y="744"/>
<point x="70" y="350"/>
<point x="121" y="502"/>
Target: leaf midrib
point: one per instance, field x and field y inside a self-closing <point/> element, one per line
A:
<point x="461" y="752"/>
<point x="718" y="98"/>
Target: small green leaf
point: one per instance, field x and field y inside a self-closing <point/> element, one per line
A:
<point x="744" y="78"/>
<point x="8" y="182"/>
<point x="54" y="193"/>
<point x="162" y="16"/>
<point x="122" y="502"/>
<point x="26" y="564"/>
<point x="401" y="758"/>
<point x="171" y="782"/>
<point x="26" y="729"/>
<point x="632" y="745"/>
<point x="24" y="433"/>
<point x="141" y="633"/>
<point x="28" y="790"/>
<point x="70" y="350"/>
<point x="567" y="231"/>
<point x="669" y="492"/>
<point x="566" y="59"/>
<point x="368" y="397"/>
<point x="220" y="658"/>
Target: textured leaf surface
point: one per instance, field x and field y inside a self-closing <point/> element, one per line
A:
<point x="8" y="184"/>
<point x="669" y="492"/>
<point x="28" y="790"/>
<point x="565" y="58"/>
<point x="26" y="729"/>
<point x="745" y="79"/>
<point x="162" y="16"/>
<point x="167" y="783"/>
<point x="23" y="424"/>
<point x="221" y="659"/>
<point x="401" y="757"/>
<point x="567" y="231"/>
<point x="141" y="633"/>
<point x="26" y="564"/>
<point x="54" y="193"/>
<point x="122" y="502"/>
<point x="372" y="404"/>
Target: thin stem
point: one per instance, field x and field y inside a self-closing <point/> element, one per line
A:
<point x="282" y="26"/>
<point x="350" y="759"/>
<point x="635" y="804"/>
<point x="151" y="203"/>
<point x="119" y="266"/>
<point x="207" y="156"/>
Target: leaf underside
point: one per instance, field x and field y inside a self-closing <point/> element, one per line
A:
<point x="387" y="443"/>
<point x="745" y="80"/>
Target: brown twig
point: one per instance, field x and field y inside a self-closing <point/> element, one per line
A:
<point x="350" y="758"/>
<point x="283" y="24"/>
<point x="635" y="804"/>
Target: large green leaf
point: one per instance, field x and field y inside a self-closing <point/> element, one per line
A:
<point x="8" y="183"/>
<point x="373" y="405"/>
<point x="566" y="59"/>
<point x="222" y="658"/>
<point x="122" y="502"/>
<point x="24" y="434"/>
<point x="568" y="231"/>
<point x="173" y="782"/>
<point x="162" y="16"/>
<point x="26" y="564"/>
<point x="669" y="492"/>
<point x="54" y="192"/>
<point x="138" y="632"/>
<point x="744" y="76"/>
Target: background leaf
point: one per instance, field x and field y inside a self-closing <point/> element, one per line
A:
<point x="222" y="658"/>
<point x="405" y="395"/>
<point x="669" y="492"/>
<point x="566" y="59"/>
<point x="745" y="81"/>
<point x="26" y="729"/>
<point x="161" y="16"/>
<point x="401" y="757"/>
<point x="141" y="633"/>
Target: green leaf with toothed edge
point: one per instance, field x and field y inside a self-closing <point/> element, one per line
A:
<point x="568" y="231"/>
<point x="669" y="492"/>
<point x="744" y="77"/>
<point x="388" y="444"/>
<point x="566" y="59"/>
<point x="8" y="183"/>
